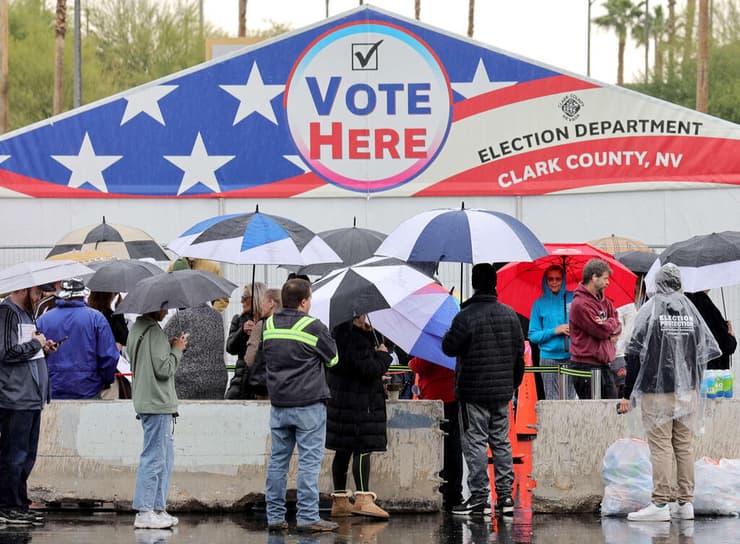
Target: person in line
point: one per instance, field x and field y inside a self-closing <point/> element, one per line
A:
<point x="85" y="363"/>
<point x="48" y="298"/>
<point x="720" y="327"/>
<point x="594" y="330"/>
<point x="154" y="359"/>
<point x="201" y="374"/>
<point x="438" y="383"/>
<point x="549" y="329"/>
<point x="103" y="302"/>
<point x="296" y="348"/>
<point x="356" y="416"/>
<point x="24" y="391"/>
<point x="488" y="342"/>
<point x="666" y="359"/>
<point x="254" y="357"/>
<point x="236" y="343"/>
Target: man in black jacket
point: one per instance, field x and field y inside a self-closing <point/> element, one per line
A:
<point x="487" y="340"/>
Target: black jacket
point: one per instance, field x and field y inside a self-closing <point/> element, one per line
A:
<point x="356" y="417"/>
<point x="488" y="342"/>
<point x="236" y="344"/>
<point x="718" y="325"/>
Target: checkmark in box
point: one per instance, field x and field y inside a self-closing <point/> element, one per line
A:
<point x="365" y="56"/>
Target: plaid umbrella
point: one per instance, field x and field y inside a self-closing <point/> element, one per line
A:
<point x="619" y="244"/>
<point x="121" y="241"/>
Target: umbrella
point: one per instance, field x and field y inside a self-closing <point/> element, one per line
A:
<point x="120" y="276"/>
<point x="180" y="289"/>
<point x="87" y="256"/>
<point x="418" y="322"/>
<point x="520" y="284"/>
<point x="253" y="238"/>
<point x="121" y="241"/>
<point x="351" y="244"/>
<point x="637" y="261"/>
<point x="708" y="261"/>
<point x="619" y="244"/>
<point x="29" y="274"/>
<point x="374" y="284"/>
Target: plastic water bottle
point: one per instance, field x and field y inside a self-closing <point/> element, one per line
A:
<point x="711" y="379"/>
<point x="727" y="382"/>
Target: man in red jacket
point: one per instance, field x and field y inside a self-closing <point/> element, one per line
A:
<point x="594" y="330"/>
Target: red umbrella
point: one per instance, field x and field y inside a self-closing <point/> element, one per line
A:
<point x="520" y="283"/>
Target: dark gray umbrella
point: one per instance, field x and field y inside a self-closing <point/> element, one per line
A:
<point x="179" y="289"/>
<point x="120" y="276"/>
<point x="351" y="244"/>
<point x="638" y="262"/>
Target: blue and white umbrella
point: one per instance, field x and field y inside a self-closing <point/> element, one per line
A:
<point x="253" y="238"/>
<point x="417" y="323"/>
<point x="462" y="236"/>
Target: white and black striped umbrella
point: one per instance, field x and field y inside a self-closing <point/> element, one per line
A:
<point x="374" y="284"/>
<point x="121" y="241"/>
<point x="708" y="261"/>
<point x="462" y="236"/>
<point x="253" y="238"/>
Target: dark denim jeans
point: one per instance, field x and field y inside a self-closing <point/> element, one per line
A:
<point x="19" y="440"/>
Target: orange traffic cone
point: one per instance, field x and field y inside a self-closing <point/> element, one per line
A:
<point x="526" y="415"/>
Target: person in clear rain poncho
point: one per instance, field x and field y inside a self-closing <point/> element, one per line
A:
<point x="666" y="358"/>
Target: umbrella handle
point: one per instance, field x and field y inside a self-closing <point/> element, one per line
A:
<point x="375" y="336"/>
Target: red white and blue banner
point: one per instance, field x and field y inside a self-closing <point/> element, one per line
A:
<point x="368" y="102"/>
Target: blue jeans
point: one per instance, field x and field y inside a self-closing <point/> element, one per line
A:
<point x="487" y="426"/>
<point x="19" y="440"/>
<point x="306" y="427"/>
<point x="155" y="464"/>
<point x="551" y="383"/>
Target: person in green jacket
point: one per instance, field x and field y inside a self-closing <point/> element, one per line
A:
<point x="154" y="359"/>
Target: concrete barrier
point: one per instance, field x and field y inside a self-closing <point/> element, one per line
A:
<point x="89" y="451"/>
<point x="574" y="435"/>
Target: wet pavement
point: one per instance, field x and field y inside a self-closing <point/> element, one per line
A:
<point x="111" y="528"/>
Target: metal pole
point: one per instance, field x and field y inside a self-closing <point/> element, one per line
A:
<point x="77" y="83"/>
<point x="588" y="40"/>
<point x="647" y="38"/>
<point x="563" y="382"/>
<point x="596" y="384"/>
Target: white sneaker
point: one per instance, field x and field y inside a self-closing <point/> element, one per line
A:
<point x="167" y="516"/>
<point x="651" y="512"/>
<point x="151" y="520"/>
<point x="682" y="511"/>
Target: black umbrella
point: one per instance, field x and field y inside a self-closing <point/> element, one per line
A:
<point x="121" y="241"/>
<point x="351" y="244"/>
<point x="120" y="276"/>
<point x="180" y="289"/>
<point x="638" y="262"/>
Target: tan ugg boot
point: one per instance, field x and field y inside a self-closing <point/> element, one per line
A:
<point x="365" y="505"/>
<point x="340" y="505"/>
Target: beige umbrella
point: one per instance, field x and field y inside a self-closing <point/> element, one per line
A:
<point x="619" y="244"/>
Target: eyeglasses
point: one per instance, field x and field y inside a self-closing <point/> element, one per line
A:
<point x="554" y="278"/>
<point x="246" y="298"/>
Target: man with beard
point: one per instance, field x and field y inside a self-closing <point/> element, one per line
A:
<point x="594" y="330"/>
<point x="24" y="389"/>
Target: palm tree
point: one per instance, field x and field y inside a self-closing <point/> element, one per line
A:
<point x="702" y="58"/>
<point x="471" y="17"/>
<point x="621" y="15"/>
<point x="4" y="31"/>
<point x="671" y="23"/>
<point x="417" y="9"/>
<point x="242" y="18"/>
<point x="60" y="29"/>
<point x="657" y="28"/>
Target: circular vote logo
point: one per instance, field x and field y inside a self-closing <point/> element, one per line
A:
<point x="368" y="106"/>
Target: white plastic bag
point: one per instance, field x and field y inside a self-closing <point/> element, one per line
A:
<point x="717" y="489"/>
<point x="628" y="477"/>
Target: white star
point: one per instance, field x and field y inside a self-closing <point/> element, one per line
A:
<point x="297" y="161"/>
<point x="146" y="101"/>
<point x="87" y="167"/>
<point x="4" y="158"/>
<point x="481" y="83"/>
<point x="254" y="96"/>
<point x="199" y="167"/>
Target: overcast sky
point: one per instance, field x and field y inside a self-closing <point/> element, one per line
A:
<point x="553" y="32"/>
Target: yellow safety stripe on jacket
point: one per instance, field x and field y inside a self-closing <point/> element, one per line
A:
<point x="333" y="362"/>
<point x="294" y="333"/>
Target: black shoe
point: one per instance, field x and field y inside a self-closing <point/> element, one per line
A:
<point x="505" y="506"/>
<point x="36" y="515"/>
<point x="472" y="508"/>
<point x="320" y="526"/>
<point x="15" y="517"/>
<point x="278" y="526"/>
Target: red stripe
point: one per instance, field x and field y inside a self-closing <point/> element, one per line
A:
<point x="702" y="160"/>
<point x="520" y="92"/>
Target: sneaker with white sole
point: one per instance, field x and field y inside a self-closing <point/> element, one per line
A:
<point x="165" y="515"/>
<point x="652" y="512"/>
<point x="472" y="507"/>
<point x="682" y="510"/>
<point x="151" y="520"/>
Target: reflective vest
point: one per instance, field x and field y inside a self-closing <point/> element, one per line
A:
<point x="296" y="333"/>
